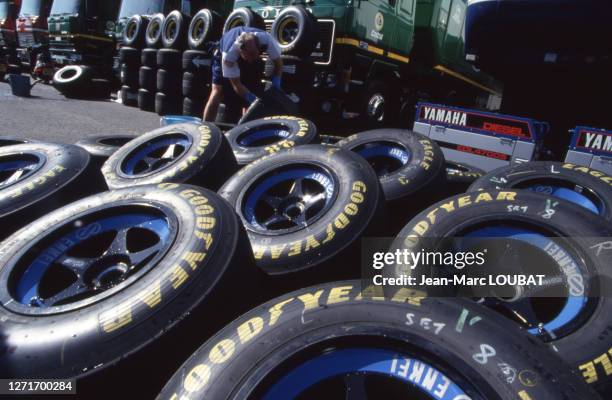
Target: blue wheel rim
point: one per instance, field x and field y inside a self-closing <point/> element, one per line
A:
<point x="569" y="195"/>
<point x="263" y="136"/>
<point x="573" y="307"/>
<point x="156" y="154"/>
<point x="363" y="362"/>
<point x="289" y="199"/>
<point x="385" y="157"/>
<point x="92" y="274"/>
<point x="17" y="167"/>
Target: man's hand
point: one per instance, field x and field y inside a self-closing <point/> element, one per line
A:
<point x="276" y="82"/>
<point x="250" y="98"/>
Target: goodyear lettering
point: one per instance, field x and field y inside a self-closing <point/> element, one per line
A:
<point x="590" y="369"/>
<point x="178" y="276"/>
<point x="116" y="318"/>
<point x="250" y="329"/>
<point x="310" y="300"/>
<point x="222" y="351"/>
<point x="196" y="378"/>
<point x="152" y="295"/>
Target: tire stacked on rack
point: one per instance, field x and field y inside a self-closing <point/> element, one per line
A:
<point x="130" y="57"/>
<point x="205" y="27"/>
<point x="147" y="75"/>
<point x="168" y="99"/>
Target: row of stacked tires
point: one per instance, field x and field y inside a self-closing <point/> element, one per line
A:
<point x="141" y="252"/>
<point x="165" y="61"/>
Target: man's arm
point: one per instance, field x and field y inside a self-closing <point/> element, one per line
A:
<point x="278" y="67"/>
<point x="242" y="90"/>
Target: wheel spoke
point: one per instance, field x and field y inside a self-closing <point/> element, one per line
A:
<point x="15" y="177"/>
<point x="75" y="289"/>
<point x="77" y="265"/>
<point x="310" y="201"/>
<point x="550" y="282"/>
<point x="272" y="201"/>
<point x="169" y="153"/>
<point x="297" y="189"/>
<point x="274" y="219"/>
<point x="523" y="310"/>
<point x="355" y="387"/>
<point x="138" y="257"/>
<point x="119" y="244"/>
<point x="300" y="220"/>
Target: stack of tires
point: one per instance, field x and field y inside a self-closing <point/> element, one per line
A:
<point x="147" y="75"/>
<point x="129" y="57"/>
<point x="205" y="28"/>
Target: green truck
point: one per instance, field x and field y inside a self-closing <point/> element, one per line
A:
<point x="82" y="32"/>
<point x="377" y="58"/>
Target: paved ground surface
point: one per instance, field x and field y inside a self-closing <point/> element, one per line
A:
<point x="49" y="116"/>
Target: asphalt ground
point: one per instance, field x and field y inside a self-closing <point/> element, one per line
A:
<point x="49" y="116"/>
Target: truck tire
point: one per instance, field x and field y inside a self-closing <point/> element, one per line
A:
<point x="341" y="340"/>
<point x="244" y="16"/>
<point x="174" y="30"/>
<point x="129" y="96"/>
<point x="195" y="85"/>
<point x="193" y="107"/>
<point x="180" y="153"/>
<point x="129" y="75"/>
<point x="135" y="31"/>
<point x="253" y="140"/>
<point x="73" y="79"/>
<point x="380" y="105"/>
<point x="576" y="329"/>
<point x="205" y="27"/>
<point x="168" y="290"/>
<point x="296" y="31"/>
<point x="37" y="178"/>
<point x="460" y="176"/>
<point x="409" y="165"/>
<point x="583" y="186"/>
<point x="146" y="99"/>
<point x="305" y="209"/>
<point x="169" y="82"/>
<point x="149" y="58"/>
<point x="129" y="56"/>
<point x="147" y="78"/>
<point x="197" y="61"/>
<point x="169" y="59"/>
<point x="153" y="34"/>
<point x="166" y="104"/>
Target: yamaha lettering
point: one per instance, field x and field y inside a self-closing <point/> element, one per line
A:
<point x="592" y="140"/>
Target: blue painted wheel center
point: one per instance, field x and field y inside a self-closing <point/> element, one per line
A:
<point x="355" y="366"/>
<point x="290" y="199"/>
<point x="156" y="154"/>
<point x="385" y="158"/>
<point x="263" y="136"/>
<point x="75" y="267"/>
<point x="567" y="194"/>
<point x="13" y="169"/>
<point x="568" y="267"/>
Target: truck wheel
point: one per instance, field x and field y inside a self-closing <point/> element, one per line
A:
<point x="193" y="107"/>
<point x="296" y="31"/>
<point x="167" y="104"/>
<point x="148" y="58"/>
<point x="169" y="82"/>
<point x="129" y="96"/>
<point x="255" y="139"/>
<point x="583" y="186"/>
<point x="137" y="267"/>
<point x="174" y="30"/>
<point x="543" y="234"/>
<point x="153" y="34"/>
<point x="135" y="31"/>
<point x="146" y="99"/>
<point x="129" y="56"/>
<point x="147" y="78"/>
<point x="195" y="85"/>
<point x="342" y="340"/>
<point x="460" y="176"/>
<point x="205" y="27"/>
<point x="305" y="206"/>
<point x="73" y="79"/>
<point x="197" y="61"/>
<point x="129" y="75"/>
<point x="244" y="16"/>
<point x="181" y="153"/>
<point x="169" y="59"/>
<point x="408" y="165"/>
<point x="38" y="177"/>
<point x="380" y="106"/>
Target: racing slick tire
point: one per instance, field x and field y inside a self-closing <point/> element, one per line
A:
<point x="197" y="61"/>
<point x="180" y="153"/>
<point x="73" y="80"/>
<point x="169" y="59"/>
<point x="37" y="178"/>
<point x="195" y="85"/>
<point x="167" y="105"/>
<point x="408" y="164"/>
<point x="13" y="140"/>
<point x="147" y="78"/>
<point x="156" y="262"/>
<point x="339" y="341"/>
<point x="305" y="209"/>
<point x="130" y="75"/>
<point x="253" y="140"/>
<point x="244" y="16"/>
<point x="129" y="96"/>
<point x="460" y="176"/>
<point x="129" y="56"/>
<point x="146" y="100"/>
<point x="169" y="82"/>
<point x="295" y="29"/>
<point x="205" y="27"/>
<point x="584" y="186"/>
<point x="174" y="30"/>
<point x="193" y="107"/>
<point x="153" y="34"/>
<point x="572" y="310"/>
<point x="135" y="31"/>
<point x="100" y="147"/>
<point x="148" y="58"/>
